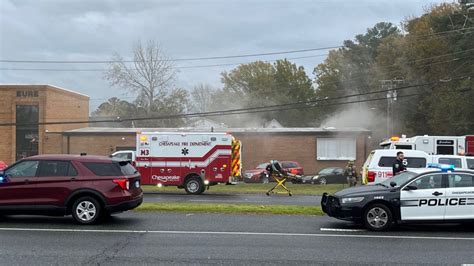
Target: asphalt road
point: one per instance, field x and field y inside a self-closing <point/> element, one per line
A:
<point x="169" y="238"/>
<point x="278" y="199"/>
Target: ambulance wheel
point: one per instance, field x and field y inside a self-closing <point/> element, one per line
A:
<point x="194" y="186"/>
<point x="377" y="217"/>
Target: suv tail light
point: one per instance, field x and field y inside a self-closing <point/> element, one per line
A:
<point x="123" y="183"/>
<point x="371" y="176"/>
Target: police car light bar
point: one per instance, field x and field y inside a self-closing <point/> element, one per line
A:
<point x="443" y="167"/>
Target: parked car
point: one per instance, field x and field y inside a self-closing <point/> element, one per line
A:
<point x="260" y="174"/>
<point x="330" y="175"/>
<point x="257" y="175"/>
<point x="87" y="187"/>
<point x="3" y="165"/>
<point x="292" y="167"/>
<point x="441" y="194"/>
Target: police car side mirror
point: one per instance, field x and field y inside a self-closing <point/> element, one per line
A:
<point x="393" y="184"/>
<point x="410" y="187"/>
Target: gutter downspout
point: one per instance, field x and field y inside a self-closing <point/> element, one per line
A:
<point x="68" y="144"/>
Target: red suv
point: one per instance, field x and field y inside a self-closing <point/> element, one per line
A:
<point x="87" y="187"/>
<point x="260" y="174"/>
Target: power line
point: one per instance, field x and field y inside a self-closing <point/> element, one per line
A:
<point x="280" y="107"/>
<point x="463" y="31"/>
<point x="178" y="67"/>
<point x="355" y="78"/>
<point x="408" y="62"/>
<point x="171" y="60"/>
<point x="229" y="64"/>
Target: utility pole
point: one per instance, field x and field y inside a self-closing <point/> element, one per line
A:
<point x="391" y="87"/>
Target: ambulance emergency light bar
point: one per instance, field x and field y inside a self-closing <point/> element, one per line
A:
<point x="443" y="167"/>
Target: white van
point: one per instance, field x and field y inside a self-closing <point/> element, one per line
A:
<point x="378" y="166"/>
<point x="462" y="162"/>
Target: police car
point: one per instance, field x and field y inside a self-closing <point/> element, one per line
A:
<point x="437" y="194"/>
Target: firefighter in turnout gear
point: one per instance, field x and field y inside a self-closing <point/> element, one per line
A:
<point x="351" y="174"/>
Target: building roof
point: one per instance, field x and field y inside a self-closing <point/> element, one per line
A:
<point x="41" y="86"/>
<point x="204" y="122"/>
<point x="273" y="124"/>
<point x="108" y="130"/>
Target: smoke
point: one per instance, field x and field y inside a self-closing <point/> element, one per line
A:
<point x="357" y="116"/>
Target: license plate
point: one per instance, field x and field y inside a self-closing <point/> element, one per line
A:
<point x="137" y="184"/>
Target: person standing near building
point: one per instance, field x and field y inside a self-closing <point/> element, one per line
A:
<point x="351" y="174"/>
<point x="399" y="166"/>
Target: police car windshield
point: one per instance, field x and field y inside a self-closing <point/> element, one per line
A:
<point x="400" y="179"/>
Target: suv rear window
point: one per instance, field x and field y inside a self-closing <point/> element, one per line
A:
<point x="127" y="168"/>
<point x="412" y="162"/>
<point x="111" y="169"/>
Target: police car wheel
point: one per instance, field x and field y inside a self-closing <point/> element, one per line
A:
<point x="194" y="186"/>
<point x="322" y="181"/>
<point x="377" y="217"/>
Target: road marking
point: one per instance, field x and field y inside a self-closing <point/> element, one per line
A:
<point x="232" y="201"/>
<point x="342" y="230"/>
<point x="67" y="230"/>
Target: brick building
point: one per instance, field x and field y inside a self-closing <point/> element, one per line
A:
<point x="314" y="148"/>
<point x="24" y="106"/>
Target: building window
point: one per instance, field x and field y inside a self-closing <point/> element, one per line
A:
<point x="336" y="149"/>
<point x="27" y="118"/>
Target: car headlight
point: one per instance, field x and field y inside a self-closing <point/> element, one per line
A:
<point x="315" y="177"/>
<point x="352" y="200"/>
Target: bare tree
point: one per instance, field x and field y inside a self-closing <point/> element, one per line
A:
<point x="148" y="75"/>
<point x="202" y="97"/>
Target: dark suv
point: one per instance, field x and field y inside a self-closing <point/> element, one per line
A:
<point x="87" y="187"/>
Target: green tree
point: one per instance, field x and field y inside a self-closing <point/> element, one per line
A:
<point x="350" y="69"/>
<point x="436" y="48"/>
<point x="114" y="107"/>
<point x="260" y="84"/>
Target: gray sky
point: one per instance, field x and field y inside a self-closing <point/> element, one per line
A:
<point x="94" y="29"/>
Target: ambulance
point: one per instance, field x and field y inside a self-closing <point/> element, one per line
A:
<point x="189" y="160"/>
<point x="446" y="145"/>
<point x="378" y="166"/>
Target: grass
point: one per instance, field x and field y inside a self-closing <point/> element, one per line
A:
<point x="230" y="208"/>
<point x="244" y="188"/>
